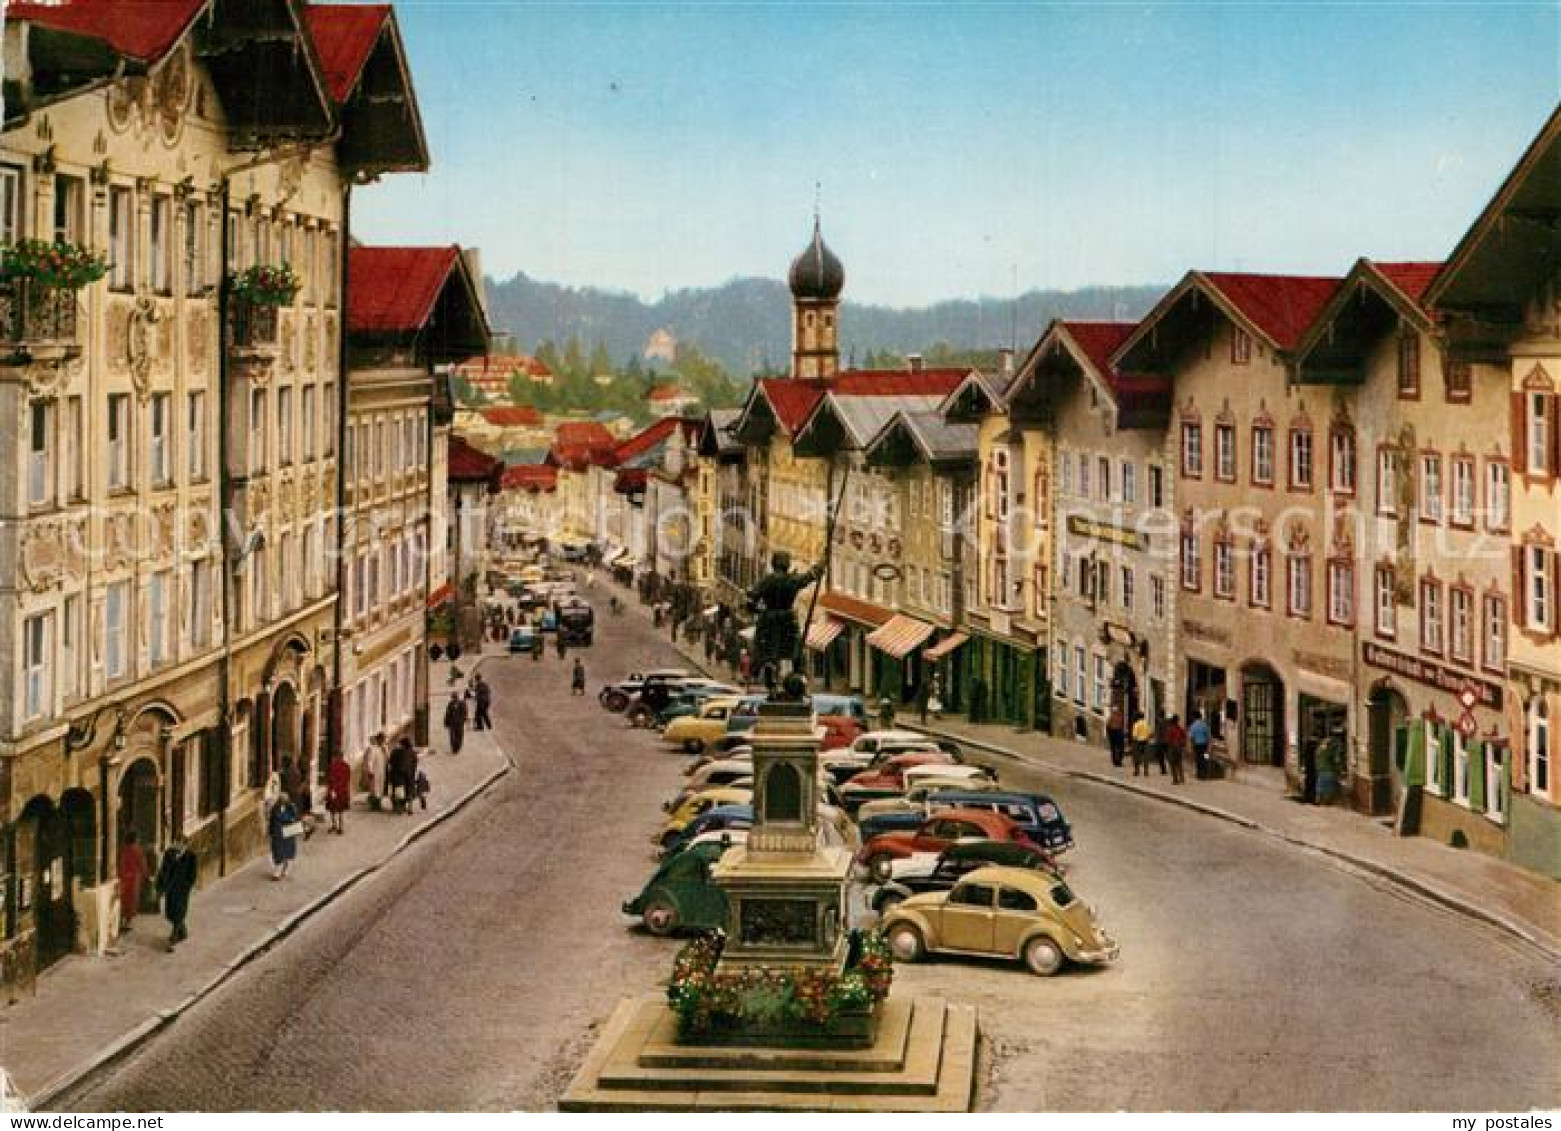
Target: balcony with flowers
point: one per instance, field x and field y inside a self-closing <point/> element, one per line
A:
<point x="39" y="284"/>
<point x="255" y="298"/>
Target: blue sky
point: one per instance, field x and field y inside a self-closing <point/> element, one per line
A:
<point x="961" y="148"/>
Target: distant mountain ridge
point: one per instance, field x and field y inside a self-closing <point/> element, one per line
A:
<point x="746" y="323"/>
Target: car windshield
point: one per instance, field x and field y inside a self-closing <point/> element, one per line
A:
<point x="1061" y="896"/>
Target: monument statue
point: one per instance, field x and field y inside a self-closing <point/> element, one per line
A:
<point x="776" y="634"/>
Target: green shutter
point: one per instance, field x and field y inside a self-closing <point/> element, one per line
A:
<point x="1446" y="743"/>
<point x="1414" y="769"/>
<point x="1477" y="776"/>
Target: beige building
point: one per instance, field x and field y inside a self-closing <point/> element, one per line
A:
<point x="160" y="660"/>
<point x="410" y="311"/>
<point x="1267" y="604"/>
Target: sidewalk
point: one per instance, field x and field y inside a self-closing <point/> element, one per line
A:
<point x="1519" y="902"/>
<point x="90" y="1011"/>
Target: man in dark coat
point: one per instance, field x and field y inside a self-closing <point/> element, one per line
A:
<point x="483" y="694"/>
<point x="455" y="722"/>
<point x="175" y="881"/>
<point x="402" y="774"/>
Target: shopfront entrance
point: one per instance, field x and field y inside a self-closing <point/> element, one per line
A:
<point x="44" y="877"/>
<point x="1262" y="716"/>
<point x="1387" y="739"/>
<point x="140" y="811"/>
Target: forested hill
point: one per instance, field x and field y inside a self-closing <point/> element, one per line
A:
<point x="745" y="324"/>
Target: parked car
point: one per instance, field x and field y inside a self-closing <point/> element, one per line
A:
<point x="927" y="790"/>
<point x="1017" y="913"/>
<point x="522" y="639"/>
<point x="728" y="817"/>
<point x="839" y="731"/>
<point x="693" y="806"/>
<point x="577" y="622"/>
<point x="723" y="772"/>
<point x="1035" y="813"/>
<point x="694" y="732"/>
<point x="680" y="895"/>
<point x="640" y="713"/>
<point x="616" y="696"/>
<point x="925" y="871"/>
<point x="935" y="834"/>
<point x="688" y="699"/>
<point x="847" y="706"/>
<point x="873" y="746"/>
<point x="888" y="779"/>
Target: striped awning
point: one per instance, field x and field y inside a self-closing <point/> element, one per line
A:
<point x="822" y="633"/>
<point x="900" y="636"/>
<point x="943" y="647"/>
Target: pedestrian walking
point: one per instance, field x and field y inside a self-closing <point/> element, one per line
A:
<point x="175" y="881"/>
<point x="1173" y="740"/>
<point x="558" y="641"/>
<point x="935" y="697"/>
<point x="744" y="666"/>
<point x="295" y="787"/>
<point x="1330" y="765"/>
<point x="1198" y="735"/>
<point x="455" y="722"/>
<point x="1116" y="735"/>
<point x="577" y="679"/>
<point x="1142" y="734"/>
<point x="283" y="829"/>
<point x="338" y="791"/>
<point x="402" y="771"/>
<point x="374" y="759"/>
<point x="482" y="695"/>
<point x="536" y="647"/>
<point x="132" y="870"/>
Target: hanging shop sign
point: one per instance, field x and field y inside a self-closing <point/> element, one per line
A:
<point x="1105" y="532"/>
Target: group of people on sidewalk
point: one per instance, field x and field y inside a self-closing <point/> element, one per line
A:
<point x="1168" y="748"/>
<point x="175" y="880"/>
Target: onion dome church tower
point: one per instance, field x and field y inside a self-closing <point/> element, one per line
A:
<point x="816" y="279"/>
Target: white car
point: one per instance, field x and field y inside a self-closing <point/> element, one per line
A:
<point x="921" y="782"/>
<point x="872" y="747"/>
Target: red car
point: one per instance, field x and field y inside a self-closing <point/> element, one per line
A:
<point x="887" y="779"/>
<point x="937" y="833"/>
<point x="840" y="731"/>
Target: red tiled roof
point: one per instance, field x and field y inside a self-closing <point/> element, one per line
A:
<point x="393" y="289"/>
<point x="1281" y="306"/>
<point x="792" y="401"/>
<point x="513" y="416"/>
<point x="140" y="29"/>
<point x="1099" y="341"/>
<point x="530" y="477"/>
<point x="1411" y="278"/>
<point x="591" y="433"/>
<point x="642" y="442"/>
<point x="578" y="443"/>
<point x="468" y="464"/>
<point x="344" y="37"/>
<point x="534" y="367"/>
<point x="897" y="382"/>
<point x="665" y="393"/>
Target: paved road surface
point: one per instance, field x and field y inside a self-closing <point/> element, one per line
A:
<point x="473" y="973"/>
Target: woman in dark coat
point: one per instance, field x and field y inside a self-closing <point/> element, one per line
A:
<point x="175" y="881"/>
<point x="402" y="775"/>
<point x="281" y="827"/>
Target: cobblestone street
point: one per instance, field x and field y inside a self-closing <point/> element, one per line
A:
<point x="472" y="973"/>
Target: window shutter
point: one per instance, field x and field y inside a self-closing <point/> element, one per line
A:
<point x="1555" y="593"/>
<point x="1519" y="591"/>
<point x="1414" y="765"/>
<point x="1477" y="776"/>
<point x="1553" y="413"/>
<point x="1519" y="433"/>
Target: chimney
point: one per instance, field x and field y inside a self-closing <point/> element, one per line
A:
<point x="1005" y="361"/>
<point x="913" y="362"/>
<point x="473" y="258"/>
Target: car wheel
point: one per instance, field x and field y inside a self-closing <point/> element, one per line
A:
<point x="880" y="867"/>
<point x="1043" y="956"/>
<point x="660" y="918"/>
<point x="616" y="702"/>
<point x="905" y="943"/>
<point x="670" y="837"/>
<point x="693" y="746"/>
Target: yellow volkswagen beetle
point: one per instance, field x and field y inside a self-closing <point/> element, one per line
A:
<point x="701" y="802"/>
<point x="697" y="731"/>
<point x="1001" y="912"/>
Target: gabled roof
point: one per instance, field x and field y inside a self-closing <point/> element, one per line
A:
<point x="399" y="292"/>
<point x="928" y="435"/>
<point x="1374" y="300"/>
<point x="143" y="30"/>
<point x="776" y="403"/>
<point x="470" y="465"/>
<point x="976" y="394"/>
<point x="648" y="440"/>
<point x="364" y="66"/>
<point x="1278" y="309"/>
<point x="344" y="36"/>
<point x="716" y="437"/>
<point x="1086" y="348"/>
<point x="1514" y="244"/>
<point x="530" y="477"/>
<point x="578" y="444"/>
<point x="857" y="404"/>
<point x="897" y="382"/>
<point x="513" y="416"/>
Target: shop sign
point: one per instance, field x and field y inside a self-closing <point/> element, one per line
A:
<point x="1486" y="693"/>
<point x="1331" y="667"/>
<point x="1106" y="532"/>
<point x="1200" y="631"/>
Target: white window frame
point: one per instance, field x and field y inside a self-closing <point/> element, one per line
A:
<point x="1080" y="674"/>
<point x="1539" y="745"/>
<point x="157" y="616"/>
<point x="1539" y="587"/>
<point x="120" y="466"/>
<point x="1263" y="455"/>
<point x="1101" y="687"/>
<point x="195" y="435"/>
<point x="1129" y="476"/>
<point x="161" y="225"/>
<point x="1463" y="491"/>
<point x="160" y="445"/>
<point x="1432" y="508"/>
<point x="116" y="630"/>
<point x="1341" y="592"/>
<point x="37" y="665"/>
<point x="1494" y="638"/>
<point x="1224" y="569"/>
<point x="1386" y="603"/>
<point x="1157" y="596"/>
<point x="1387" y="482"/>
<point x="1460" y="624"/>
<point x="1537" y="440"/>
<point x="1298" y="585"/>
<point x="1225" y="452"/>
<point x="1192" y="449"/>
<point x="1341" y="462"/>
<point x="121" y="238"/>
<point x="41" y="435"/>
<point x="1498" y="495"/>
<point x="1433" y="618"/>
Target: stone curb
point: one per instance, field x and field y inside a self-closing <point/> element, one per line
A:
<point x="1431" y="892"/>
<point x="163" y="1018"/>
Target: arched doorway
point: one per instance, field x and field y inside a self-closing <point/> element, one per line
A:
<point x="140" y="811"/>
<point x="43" y="864"/>
<point x="1262" y="716"/>
<point x="1387" y="738"/>
<point x="1124" y="692"/>
<point x="284" y="725"/>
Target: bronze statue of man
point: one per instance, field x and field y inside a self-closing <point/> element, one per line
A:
<point x="776" y="634"/>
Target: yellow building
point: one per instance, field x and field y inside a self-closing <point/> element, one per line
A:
<point x="163" y="659"/>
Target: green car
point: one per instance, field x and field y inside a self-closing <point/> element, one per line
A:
<point x="680" y="896"/>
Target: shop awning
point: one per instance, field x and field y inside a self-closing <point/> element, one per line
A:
<point x="822" y="633"/>
<point x="900" y="636"/>
<point x="943" y="647"/>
